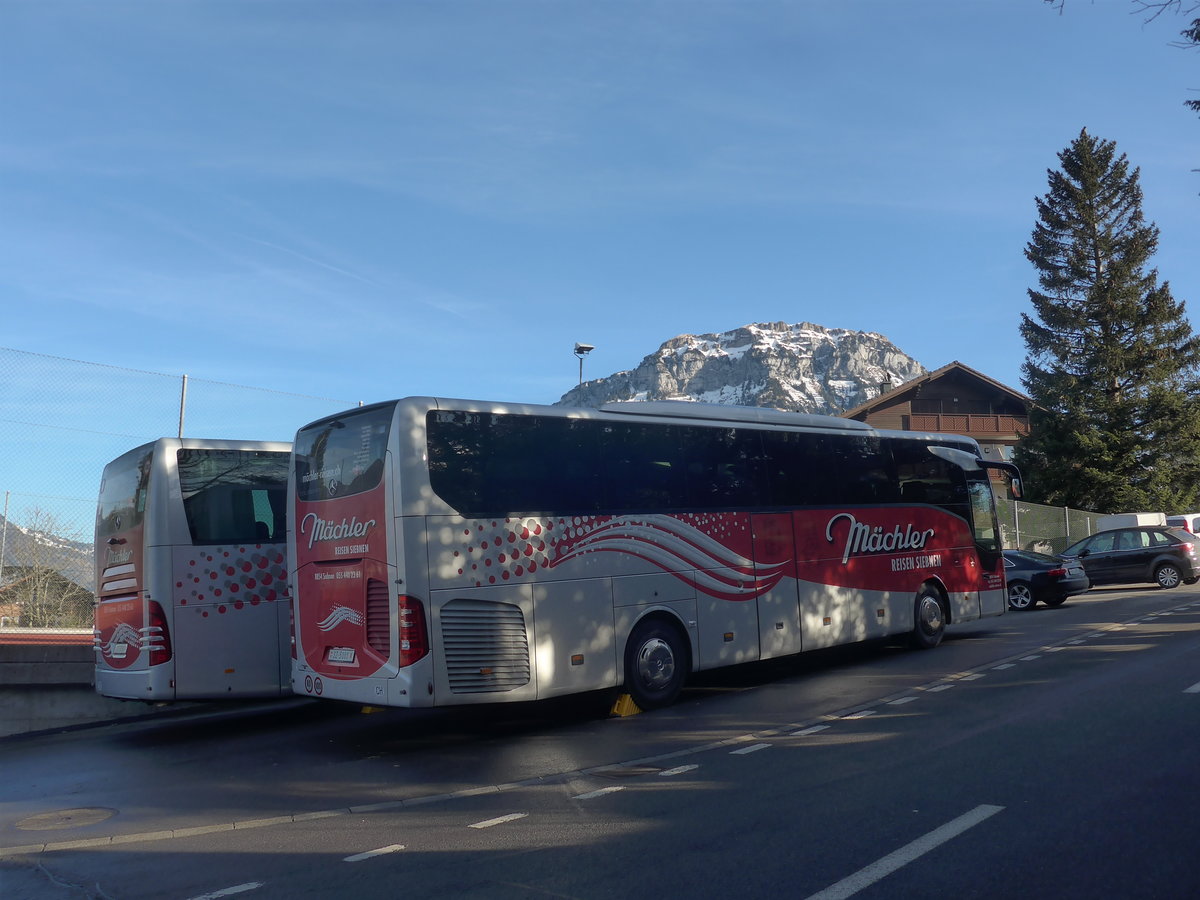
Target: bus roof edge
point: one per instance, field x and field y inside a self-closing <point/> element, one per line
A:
<point x="688" y="409"/>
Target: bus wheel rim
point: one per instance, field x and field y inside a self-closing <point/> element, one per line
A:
<point x="656" y="664"/>
<point x="930" y="615"/>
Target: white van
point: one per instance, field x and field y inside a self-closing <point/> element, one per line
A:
<point x="1188" y="522"/>
<point x="1130" y="520"/>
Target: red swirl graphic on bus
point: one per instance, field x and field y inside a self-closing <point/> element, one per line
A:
<point x="691" y="552"/>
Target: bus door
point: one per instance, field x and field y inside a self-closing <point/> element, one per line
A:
<point x="985" y="559"/>
<point x="779" y="632"/>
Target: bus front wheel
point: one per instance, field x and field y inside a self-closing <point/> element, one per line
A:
<point x="656" y="664"/>
<point x="929" y="619"/>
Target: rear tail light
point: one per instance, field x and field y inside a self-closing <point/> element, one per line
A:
<point x="414" y="636"/>
<point x="1057" y="573"/>
<point x="1189" y="549"/>
<point x="156" y="637"/>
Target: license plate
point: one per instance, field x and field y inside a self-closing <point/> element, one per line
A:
<point x="341" y="656"/>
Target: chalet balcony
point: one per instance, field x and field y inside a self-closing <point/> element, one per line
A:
<point x="976" y="426"/>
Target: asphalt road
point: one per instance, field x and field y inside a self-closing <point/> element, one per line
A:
<point x="1043" y="754"/>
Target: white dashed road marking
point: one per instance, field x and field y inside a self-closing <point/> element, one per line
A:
<point x="592" y="795"/>
<point x="371" y="854"/>
<point x="230" y="891"/>
<point x="499" y="820"/>
<point x="753" y="748"/>
<point x="678" y="770"/>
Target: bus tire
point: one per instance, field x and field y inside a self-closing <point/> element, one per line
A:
<point x="656" y="663"/>
<point x="929" y="618"/>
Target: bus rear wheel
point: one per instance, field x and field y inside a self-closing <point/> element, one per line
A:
<point x="656" y="664"/>
<point x="929" y="618"/>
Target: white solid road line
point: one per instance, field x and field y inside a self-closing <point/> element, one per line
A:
<point x="866" y="877"/>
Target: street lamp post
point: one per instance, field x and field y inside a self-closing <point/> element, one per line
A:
<point x="582" y="350"/>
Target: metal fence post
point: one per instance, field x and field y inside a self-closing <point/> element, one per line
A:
<point x="4" y="536"/>
<point x="182" y="404"/>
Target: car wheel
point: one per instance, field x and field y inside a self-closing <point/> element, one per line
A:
<point x="656" y="664"/>
<point x="929" y="619"/>
<point x="1168" y="575"/>
<point x="1020" y="596"/>
<point x="1190" y="580"/>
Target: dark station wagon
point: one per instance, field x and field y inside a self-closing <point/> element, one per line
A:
<point x="1158" y="554"/>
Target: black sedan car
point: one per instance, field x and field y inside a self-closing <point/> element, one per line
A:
<point x="1035" y="576"/>
<point x="1160" y="554"/>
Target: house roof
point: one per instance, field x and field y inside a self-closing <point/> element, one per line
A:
<point x="890" y="397"/>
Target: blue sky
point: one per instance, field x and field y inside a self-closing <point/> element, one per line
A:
<point x="367" y="200"/>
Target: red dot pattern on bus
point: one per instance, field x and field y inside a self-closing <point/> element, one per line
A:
<point x="222" y="579"/>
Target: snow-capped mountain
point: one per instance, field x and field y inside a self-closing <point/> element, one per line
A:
<point x="803" y="368"/>
<point x="26" y="548"/>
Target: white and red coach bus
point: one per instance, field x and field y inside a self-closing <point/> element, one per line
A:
<point x="191" y="572"/>
<point x="453" y="552"/>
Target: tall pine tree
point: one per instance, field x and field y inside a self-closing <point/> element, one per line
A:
<point x="1112" y="356"/>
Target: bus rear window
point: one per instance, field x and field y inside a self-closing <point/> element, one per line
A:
<point x="234" y="496"/>
<point x="123" y="493"/>
<point x="342" y="456"/>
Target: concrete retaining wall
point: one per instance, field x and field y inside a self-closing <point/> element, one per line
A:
<point x="49" y="686"/>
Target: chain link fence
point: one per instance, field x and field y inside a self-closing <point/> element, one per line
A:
<point x="61" y="421"/>
<point x="1046" y="529"/>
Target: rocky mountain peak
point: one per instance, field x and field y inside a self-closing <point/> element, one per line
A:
<point x="803" y="367"/>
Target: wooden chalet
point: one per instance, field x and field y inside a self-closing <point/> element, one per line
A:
<point x="955" y="399"/>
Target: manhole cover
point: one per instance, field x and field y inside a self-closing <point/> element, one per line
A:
<point x="66" y="818"/>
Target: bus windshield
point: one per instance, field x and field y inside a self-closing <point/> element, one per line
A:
<point x="123" y="494"/>
<point x="342" y="456"/>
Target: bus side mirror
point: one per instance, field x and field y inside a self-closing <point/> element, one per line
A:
<point x="1015" y="488"/>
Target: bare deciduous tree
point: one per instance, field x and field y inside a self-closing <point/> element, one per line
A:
<point x="42" y="575"/>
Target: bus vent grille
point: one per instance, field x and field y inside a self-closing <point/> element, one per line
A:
<point x="485" y="645"/>
<point x="379" y="624"/>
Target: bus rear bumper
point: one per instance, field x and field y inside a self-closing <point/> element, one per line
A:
<point x="150" y="686"/>
<point x="369" y="691"/>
